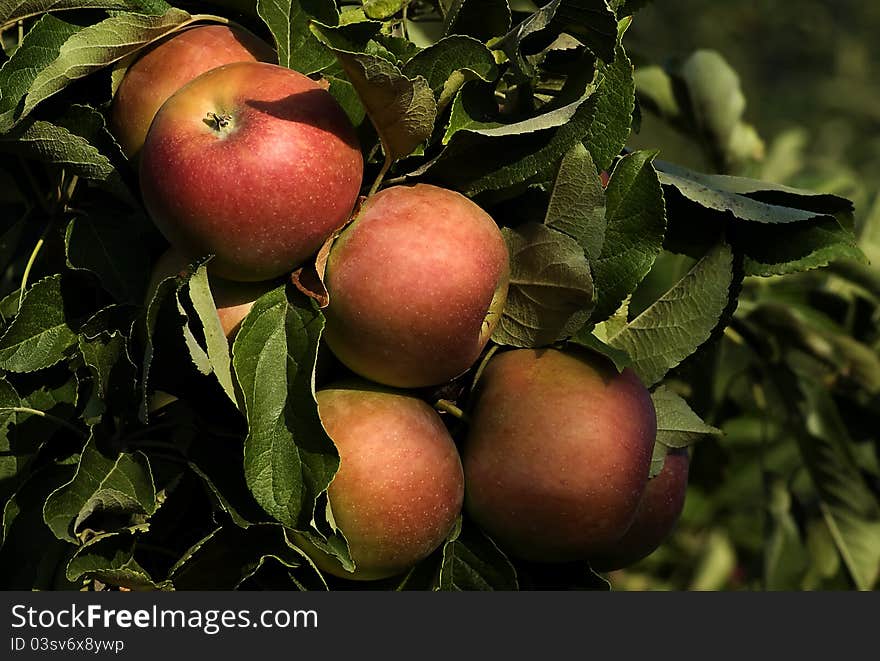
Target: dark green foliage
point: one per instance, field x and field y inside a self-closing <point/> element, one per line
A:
<point x="140" y="450"/>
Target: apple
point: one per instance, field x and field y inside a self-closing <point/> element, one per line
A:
<point x="558" y="452"/>
<point x="399" y="487"/>
<point x="659" y="509"/>
<point x="233" y="299"/>
<point x="254" y="163"/>
<point x="416" y="286"/>
<point x="163" y="68"/>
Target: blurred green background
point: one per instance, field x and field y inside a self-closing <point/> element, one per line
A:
<point x="810" y="71"/>
<point x="789" y="497"/>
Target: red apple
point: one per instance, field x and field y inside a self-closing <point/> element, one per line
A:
<point x="416" y="283"/>
<point x="659" y="508"/>
<point x="399" y="487"/>
<point x="254" y="163"/>
<point x="165" y="67"/>
<point x="557" y="453"/>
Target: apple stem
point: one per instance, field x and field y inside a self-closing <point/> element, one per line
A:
<point x="385" y="167"/>
<point x="43" y="414"/>
<point x="218" y="122"/>
<point x="448" y="407"/>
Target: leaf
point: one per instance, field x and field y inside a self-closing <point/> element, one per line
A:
<point x="850" y="509"/>
<point x="588" y="340"/>
<point x="615" y="104"/>
<point x="717" y="105"/>
<point x="150" y="321"/>
<point x="449" y="63"/>
<point x="199" y="291"/>
<point x="785" y="556"/>
<point x="38" y="49"/>
<point x="122" y="488"/>
<point x="102" y="244"/>
<point x="288" y="21"/>
<point x="51" y="143"/>
<point x="677" y="424"/>
<point x="383" y="9"/>
<point x="551" y="291"/>
<point x="228" y="555"/>
<point x="463" y="121"/>
<point x="110" y="559"/>
<point x="480" y="19"/>
<point x="678" y="323"/>
<point x="402" y="110"/>
<point x="103" y="344"/>
<point x="635" y="227"/>
<point x="511" y="43"/>
<point x="744" y="199"/>
<point x="13" y="10"/>
<point x="472" y="561"/>
<point x="218" y="463"/>
<point x="288" y="458"/>
<point x="590" y="21"/>
<point x="41" y="334"/>
<point x="577" y="204"/>
<point x="480" y="158"/>
<point x="97" y="46"/>
<point x="778" y="250"/>
<point x="30" y="553"/>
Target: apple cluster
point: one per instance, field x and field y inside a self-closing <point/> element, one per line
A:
<point x="258" y="166"/>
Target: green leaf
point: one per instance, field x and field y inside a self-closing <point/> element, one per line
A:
<point x="480" y="19"/>
<point x="227" y="556"/>
<point x="51" y="143"/>
<point x="628" y="7"/>
<point x="102" y="244"/>
<point x="110" y="559"/>
<point x="13" y="10"/>
<point x="717" y="104"/>
<point x="383" y="9"/>
<point x="778" y="250"/>
<point x="30" y="555"/>
<point x="483" y="157"/>
<point x="551" y="291"/>
<point x="577" y="204"/>
<point x="103" y="344"/>
<point x="38" y="49"/>
<point x="163" y="290"/>
<point x="288" y="458"/>
<point x="101" y="354"/>
<point x="678" y="323"/>
<point x="288" y="21"/>
<point x="472" y="561"/>
<point x="590" y="21"/>
<point x="217" y="344"/>
<point x="785" y="556"/>
<point x="750" y="200"/>
<point x="851" y="510"/>
<point x="635" y="227"/>
<point x="41" y="334"/>
<point x="449" y="63"/>
<point x="615" y="103"/>
<point x="588" y="340"/>
<point x="97" y="46"/>
<point x="403" y="110"/>
<point x="121" y="488"/>
<point x="677" y="424"/>
<point x="218" y="463"/>
<point x="511" y="43"/>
